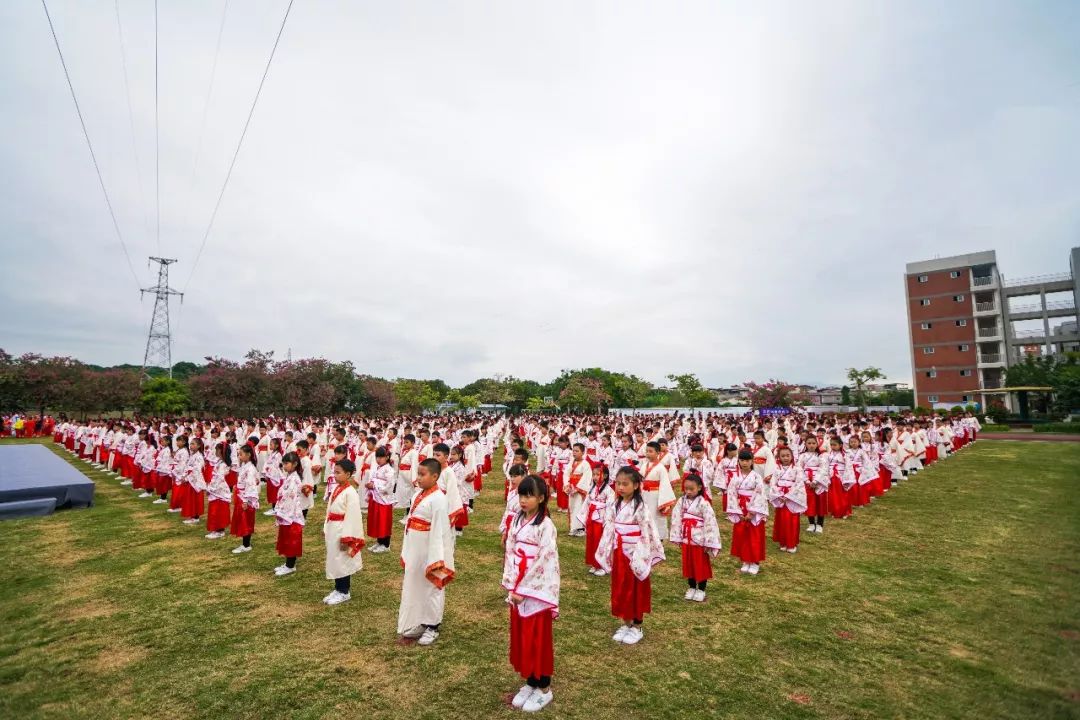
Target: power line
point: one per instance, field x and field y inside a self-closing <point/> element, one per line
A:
<point x="236" y="154"/>
<point x="206" y="110"/>
<point x="157" y="133"/>
<point x="131" y="119"/>
<point x="89" y="145"/>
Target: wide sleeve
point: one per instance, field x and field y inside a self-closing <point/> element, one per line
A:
<point x="605" y="549"/>
<point x="734" y="510"/>
<point x="540" y="584"/>
<point x="710" y="531"/>
<point x="649" y="549"/>
<point x="675" y="533"/>
<point x="352" y="527"/>
<point x="439" y="569"/>
<point x="666" y="498"/>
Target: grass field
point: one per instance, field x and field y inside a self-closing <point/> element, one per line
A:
<point x="956" y="595"/>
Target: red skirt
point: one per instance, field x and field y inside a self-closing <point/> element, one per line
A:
<point x="630" y="598"/>
<point x="695" y="563"/>
<point x="462" y="520"/>
<point x="532" y="652"/>
<point x="785" y="529"/>
<point x="478" y="481"/>
<point x="217" y="516"/>
<point x="861" y="494"/>
<point x="230" y="478"/>
<point x="162" y="483"/>
<point x="487" y="463"/>
<point x="562" y="499"/>
<point x="178" y="493"/>
<point x="931" y="454"/>
<point x="194" y="501"/>
<point x="816" y="504"/>
<point x="380" y="519"/>
<point x="748" y="541"/>
<point x="593" y="532"/>
<point x="243" y="520"/>
<point x="839" y="502"/>
<point x="271" y="493"/>
<point x="290" y="540"/>
<point x="136" y="478"/>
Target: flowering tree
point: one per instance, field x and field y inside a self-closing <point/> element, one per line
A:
<point x="774" y="393"/>
<point x="583" y="393"/>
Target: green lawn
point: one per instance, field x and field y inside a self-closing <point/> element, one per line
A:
<point x="956" y="595"/>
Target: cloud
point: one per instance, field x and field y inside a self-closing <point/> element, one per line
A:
<point x="516" y="188"/>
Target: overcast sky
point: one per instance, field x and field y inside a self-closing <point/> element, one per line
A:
<point x="460" y="189"/>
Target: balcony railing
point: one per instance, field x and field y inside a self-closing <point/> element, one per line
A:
<point x="984" y="307"/>
<point x="989" y="331"/>
<point x="993" y="384"/>
<point x="1029" y="334"/>
<point x="990" y="358"/>
<point x="1037" y="279"/>
<point x="978" y="280"/>
<point x="1037" y="307"/>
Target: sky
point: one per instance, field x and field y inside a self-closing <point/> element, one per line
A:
<point x="457" y="190"/>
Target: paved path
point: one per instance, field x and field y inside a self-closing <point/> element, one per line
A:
<point x="1049" y="437"/>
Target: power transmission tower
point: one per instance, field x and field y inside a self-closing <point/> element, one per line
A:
<point x="159" y="343"/>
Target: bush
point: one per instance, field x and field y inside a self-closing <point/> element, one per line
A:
<point x="920" y="410"/>
<point x="996" y="427"/>
<point x="1057" y="427"/>
<point x="942" y="412"/>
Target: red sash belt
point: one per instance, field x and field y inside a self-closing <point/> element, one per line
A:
<point x="404" y="467"/>
<point x="416" y="523"/>
<point x="335" y="517"/>
<point x="650" y="485"/>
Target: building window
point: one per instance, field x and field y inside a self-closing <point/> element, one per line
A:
<point x="932" y="398"/>
<point x="965" y="398"/>
<point x="965" y="373"/>
<point x="954" y="274"/>
<point x="961" y="323"/>
<point x="926" y="326"/>
<point x="924" y="302"/>
<point x="963" y="348"/>
<point x="958" y="298"/>
<point x="928" y="351"/>
<point x="931" y="373"/>
<point x="924" y="278"/>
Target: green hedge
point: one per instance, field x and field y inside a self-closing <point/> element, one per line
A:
<point x="996" y="428"/>
<point x="1059" y="427"/>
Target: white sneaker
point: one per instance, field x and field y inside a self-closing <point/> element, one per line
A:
<point x="620" y="634"/>
<point x="754" y="569"/>
<point x="459" y="533"/>
<point x="283" y="570"/>
<point x="820" y="529"/>
<point x="699" y="596"/>
<point x="241" y="550"/>
<point x="429" y="637"/>
<point x="216" y="535"/>
<point x="126" y="482"/>
<point x="191" y="521"/>
<point x="145" y="494"/>
<point x="745" y="567"/>
<point x="537" y="701"/>
<point x="338" y="598"/>
<point x="173" y="510"/>
<point x="792" y="550"/>
<point x="413" y="633"/>
<point x="270" y="513"/>
<point x="783" y="549"/>
<point x="633" y="636"/>
<point x="159" y="501"/>
<point x="689" y="594"/>
<point x="522" y="696"/>
<point x="376" y="548"/>
<point x="600" y="573"/>
<point x="332" y="594"/>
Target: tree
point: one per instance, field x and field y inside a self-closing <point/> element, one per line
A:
<point x="535" y="404"/>
<point x="772" y="394"/>
<point x="414" y="396"/>
<point x="164" y="397"/>
<point x="691" y="389"/>
<point x="861" y="378"/>
<point x="629" y="390"/>
<point x="583" y="393"/>
<point x="379" y="397"/>
<point x="845" y="395"/>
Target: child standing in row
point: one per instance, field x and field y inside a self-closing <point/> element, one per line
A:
<point x="629" y="548"/>
<point x="787" y="493"/>
<point x="290" y="515"/>
<point x="748" y="509"/>
<point x="532" y="578"/>
<point x="245" y="499"/>
<point x="694" y="529"/>
<point x="595" y="510"/>
<point x="343" y="530"/>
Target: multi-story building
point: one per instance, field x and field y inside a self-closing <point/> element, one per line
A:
<point x="960" y="324"/>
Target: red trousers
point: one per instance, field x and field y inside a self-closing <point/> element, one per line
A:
<point x="532" y="652"/>
<point x="785" y="529"/>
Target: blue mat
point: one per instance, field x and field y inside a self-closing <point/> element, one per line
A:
<point x="33" y="472"/>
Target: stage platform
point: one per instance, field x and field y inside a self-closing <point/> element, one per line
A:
<point x="35" y="481"/>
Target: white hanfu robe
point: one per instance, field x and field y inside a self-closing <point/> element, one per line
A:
<point x="634" y="531"/>
<point x="693" y="522"/>
<point x="344" y="524"/>
<point x="658" y="495"/>
<point x="531" y="566"/>
<point x="427" y="555"/>
<point x="788" y="489"/>
<point x="406" y="476"/>
<point x="577" y="487"/>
